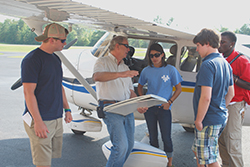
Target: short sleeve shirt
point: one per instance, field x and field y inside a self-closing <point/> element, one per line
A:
<point x="215" y="72"/>
<point x="45" y="70"/>
<point x="117" y="89"/>
<point x="160" y="81"/>
<point x="241" y="68"/>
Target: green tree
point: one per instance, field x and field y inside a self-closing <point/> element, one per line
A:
<point x="244" y="29"/>
<point x="95" y="37"/>
<point x="170" y="21"/>
<point x="222" y="29"/>
<point x="85" y="36"/>
<point x="158" y="19"/>
<point x="17" y="32"/>
<point x="4" y="30"/>
<point x="13" y="34"/>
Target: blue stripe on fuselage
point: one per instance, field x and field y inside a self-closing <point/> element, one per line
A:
<point x="77" y="88"/>
<point x="186" y="83"/>
<point x="81" y="88"/>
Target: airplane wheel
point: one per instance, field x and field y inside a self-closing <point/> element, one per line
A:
<point x="77" y="132"/>
<point x="188" y="129"/>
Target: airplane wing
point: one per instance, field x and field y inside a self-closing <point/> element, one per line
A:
<point x="36" y="13"/>
<point x="75" y="12"/>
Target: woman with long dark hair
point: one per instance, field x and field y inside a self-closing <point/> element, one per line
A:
<point x="160" y="78"/>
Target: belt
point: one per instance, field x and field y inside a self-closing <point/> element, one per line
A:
<point x="109" y="101"/>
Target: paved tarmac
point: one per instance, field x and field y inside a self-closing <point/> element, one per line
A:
<point x="78" y="151"/>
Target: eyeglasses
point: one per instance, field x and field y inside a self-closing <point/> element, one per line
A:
<point x="156" y="55"/>
<point x="126" y="45"/>
<point x="62" y="40"/>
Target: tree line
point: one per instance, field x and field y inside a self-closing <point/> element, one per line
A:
<point x="17" y="32"/>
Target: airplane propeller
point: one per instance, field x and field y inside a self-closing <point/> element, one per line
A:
<point x="68" y="45"/>
<point x="72" y="69"/>
<point x="17" y="84"/>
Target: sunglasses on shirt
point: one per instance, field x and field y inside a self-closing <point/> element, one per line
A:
<point x="156" y="55"/>
<point x="62" y="40"/>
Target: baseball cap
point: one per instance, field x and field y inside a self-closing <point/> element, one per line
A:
<point x="53" y="30"/>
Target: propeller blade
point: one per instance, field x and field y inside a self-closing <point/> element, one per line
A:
<point x="70" y="44"/>
<point x="17" y="84"/>
<point x="76" y="74"/>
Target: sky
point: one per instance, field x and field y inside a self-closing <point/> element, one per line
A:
<point x="189" y="15"/>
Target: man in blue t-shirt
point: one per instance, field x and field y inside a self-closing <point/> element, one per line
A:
<point x="213" y="92"/>
<point x="41" y="74"/>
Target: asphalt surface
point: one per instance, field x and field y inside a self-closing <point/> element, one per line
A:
<point x="78" y="151"/>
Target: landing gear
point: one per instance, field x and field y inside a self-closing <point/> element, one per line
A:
<point x="188" y="127"/>
<point x="77" y="132"/>
<point x="83" y="123"/>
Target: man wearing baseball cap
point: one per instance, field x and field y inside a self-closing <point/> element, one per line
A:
<point x="44" y="95"/>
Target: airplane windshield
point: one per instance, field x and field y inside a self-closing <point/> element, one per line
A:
<point x="101" y="47"/>
<point x="247" y="45"/>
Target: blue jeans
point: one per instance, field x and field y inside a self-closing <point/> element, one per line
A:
<point x="121" y="130"/>
<point x="164" y="117"/>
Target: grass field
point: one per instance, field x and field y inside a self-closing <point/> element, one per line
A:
<point x="139" y="52"/>
<point x="26" y="48"/>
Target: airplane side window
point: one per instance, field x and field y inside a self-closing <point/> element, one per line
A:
<point x="135" y="59"/>
<point x="170" y="50"/>
<point x="140" y="47"/>
<point x="190" y="59"/>
<point x="171" y="54"/>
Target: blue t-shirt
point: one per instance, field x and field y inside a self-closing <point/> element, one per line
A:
<point x="160" y="81"/>
<point x="45" y="70"/>
<point x="214" y="72"/>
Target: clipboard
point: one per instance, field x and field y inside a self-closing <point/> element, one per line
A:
<point x="128" y="106"/>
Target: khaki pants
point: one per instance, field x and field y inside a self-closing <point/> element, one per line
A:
<point x="43" y="149"/>
<point x="230" y="145"/>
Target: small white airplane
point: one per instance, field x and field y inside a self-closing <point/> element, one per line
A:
<point x="78" y="64"/>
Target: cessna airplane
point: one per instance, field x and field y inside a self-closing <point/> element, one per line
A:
<point x="78" y="64"/>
